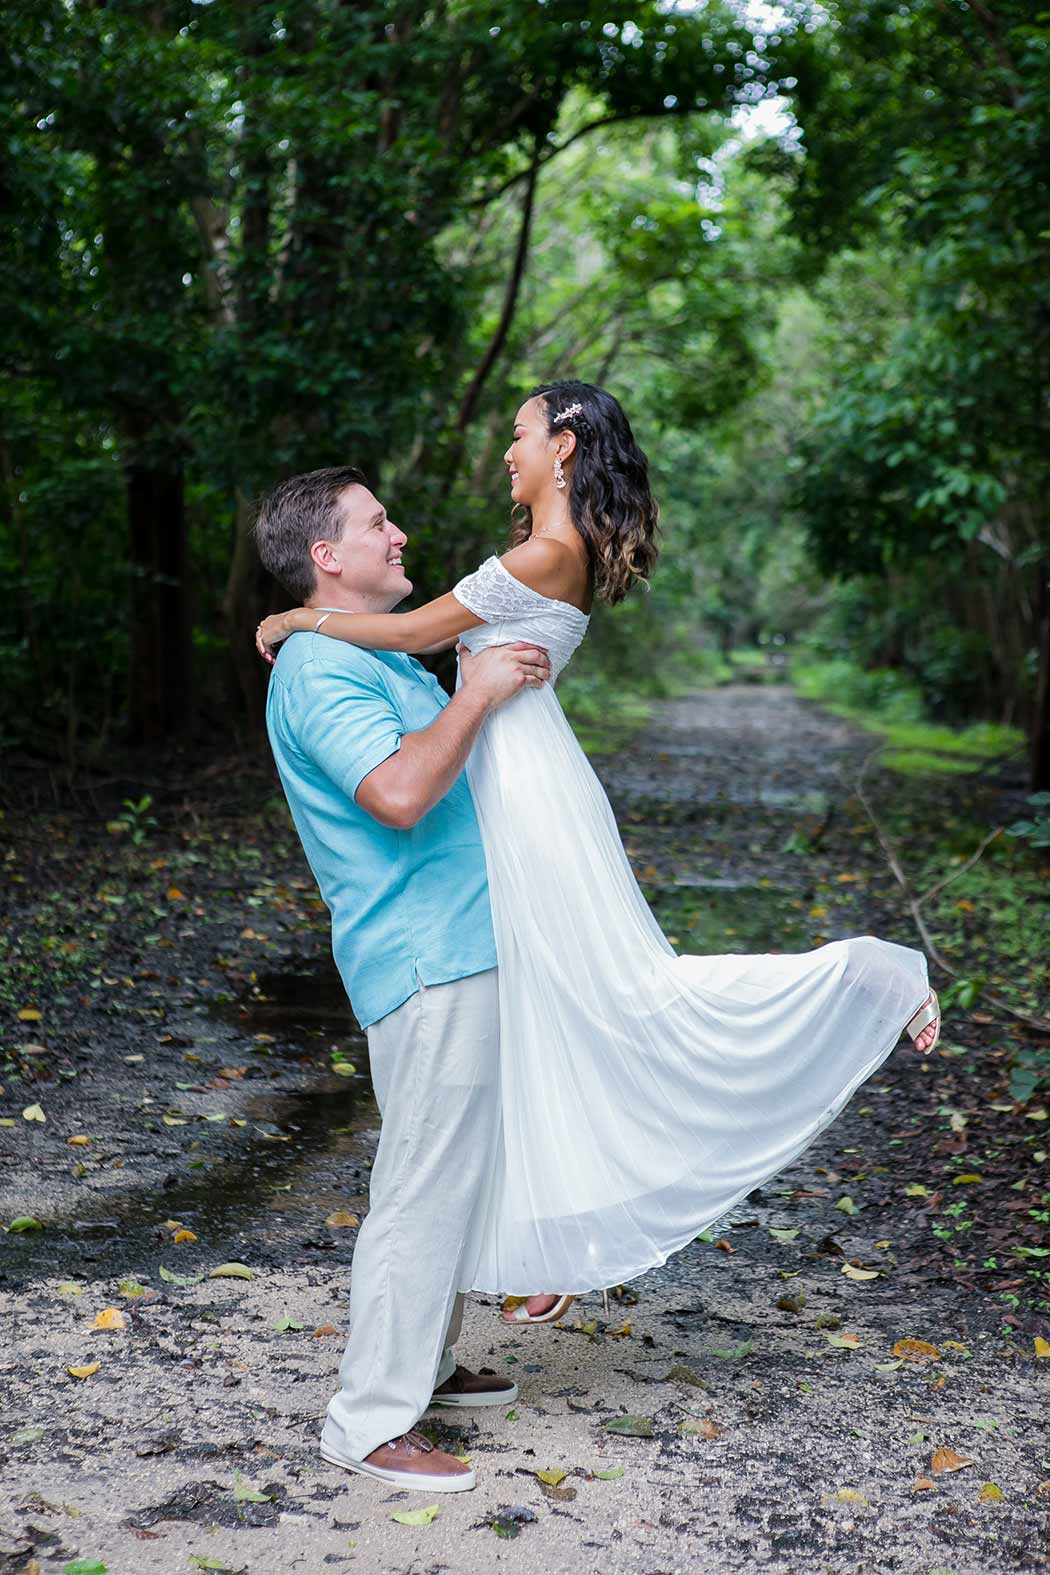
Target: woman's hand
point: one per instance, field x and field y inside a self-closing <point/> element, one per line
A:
<point x="270" y="633"/>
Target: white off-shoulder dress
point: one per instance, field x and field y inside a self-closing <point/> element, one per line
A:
<point x="643" y="1094"/>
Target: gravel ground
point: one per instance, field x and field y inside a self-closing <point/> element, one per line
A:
<point x="776" y="1428"/>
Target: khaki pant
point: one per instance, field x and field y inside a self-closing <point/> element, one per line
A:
<point x="434" y="1068"/>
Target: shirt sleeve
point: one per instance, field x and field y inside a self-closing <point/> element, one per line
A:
<point x="345" y="721"/>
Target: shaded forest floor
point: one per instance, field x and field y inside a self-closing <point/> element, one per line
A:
<point x="183" y="1091"/>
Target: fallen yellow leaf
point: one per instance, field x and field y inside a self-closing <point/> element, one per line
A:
<point x="29" y="1014"/>
<point x="84" y="1372"/>
<point x="990" y="1493"/>
<point x="175" y="895"/>
<point x="184" y="1235"/>
<point x="417" y="1517"/>
<point x="341" y="1221"/>
<point x="1042" y="1347"/>
<point x="33" y="1113"/>
<point x="923" y="1484"/>
<point x="78" y="1142"/>
<point x="917" y="1351"/>
<point x="859" y="1274"/>
<point x="110" y="1318"/>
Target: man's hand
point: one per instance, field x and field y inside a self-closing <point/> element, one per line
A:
<point x="497" y="673"/>
<point x="404" y="787"/>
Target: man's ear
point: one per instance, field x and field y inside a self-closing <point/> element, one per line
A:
<point x="325" y="560"/>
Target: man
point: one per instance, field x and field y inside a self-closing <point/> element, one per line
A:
<point x="370" y="752"/>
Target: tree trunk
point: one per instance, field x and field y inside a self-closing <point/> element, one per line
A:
<point x="1040" y="755"/>
<point x="160" y="651"/>
<point x="248" y="597"/>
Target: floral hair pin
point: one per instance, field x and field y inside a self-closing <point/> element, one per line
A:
<point x="569" y="412"/>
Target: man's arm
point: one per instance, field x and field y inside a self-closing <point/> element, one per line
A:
<point x="401" y="789"/>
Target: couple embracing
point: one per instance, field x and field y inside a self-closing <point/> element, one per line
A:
<point x="565" y="1101"/>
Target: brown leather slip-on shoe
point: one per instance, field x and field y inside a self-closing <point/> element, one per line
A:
<point x="410" y="1461"/>
<point x="465" y="1388"/>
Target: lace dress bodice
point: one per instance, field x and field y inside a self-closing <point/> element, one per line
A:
<point x="513" y="611"/>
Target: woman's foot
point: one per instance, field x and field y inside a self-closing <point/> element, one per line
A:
<point x="928" y="1036"/>
<point x="535" y="1306"/>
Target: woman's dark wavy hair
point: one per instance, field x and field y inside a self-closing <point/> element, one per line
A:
<point x="609" y="498"/>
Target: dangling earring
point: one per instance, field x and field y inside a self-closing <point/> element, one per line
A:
<point x="559" y="474"/>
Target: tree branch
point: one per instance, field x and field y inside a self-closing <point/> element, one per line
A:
<point x="510" y="302"/>
<point x="582" y="131"/>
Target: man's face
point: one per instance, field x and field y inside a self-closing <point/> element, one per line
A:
<point x="367" y="557"/>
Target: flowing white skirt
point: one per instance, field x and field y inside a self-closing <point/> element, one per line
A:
<point x="643" y="1093"/>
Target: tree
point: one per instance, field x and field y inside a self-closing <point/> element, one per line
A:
<point x="927" y="128"/>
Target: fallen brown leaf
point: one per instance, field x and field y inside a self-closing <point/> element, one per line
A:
<point x="945" y="1459"/>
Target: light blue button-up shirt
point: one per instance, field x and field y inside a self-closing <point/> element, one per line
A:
<point x="406" y="905"/>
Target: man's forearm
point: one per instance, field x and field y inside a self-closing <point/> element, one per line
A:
<point x="428" y="762"/>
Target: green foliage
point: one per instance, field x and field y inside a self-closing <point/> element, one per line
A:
<point x="243" y="241"/>
<point x="878" y="692"/>
<point x="136" y="821"/>
<point x="884" y="701"/>
<point x="927" y="130"/>
<point x="1037" y="830"/>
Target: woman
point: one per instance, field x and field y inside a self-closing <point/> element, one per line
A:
<point x="644" y="1094"/>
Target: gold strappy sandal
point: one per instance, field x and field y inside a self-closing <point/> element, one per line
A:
<point x="927" y="1014"/>
<point x="520" y="1314"/>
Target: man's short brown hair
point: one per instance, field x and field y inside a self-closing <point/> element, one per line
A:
<point x="298" y="512"/>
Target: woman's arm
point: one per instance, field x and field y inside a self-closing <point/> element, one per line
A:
<point x="439" y="645"/>
<point x="439" y="624"/>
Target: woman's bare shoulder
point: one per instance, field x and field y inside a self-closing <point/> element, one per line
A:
<point x="549" y="566"/>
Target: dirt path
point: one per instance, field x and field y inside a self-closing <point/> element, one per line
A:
<point x="778" y="1430"/>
